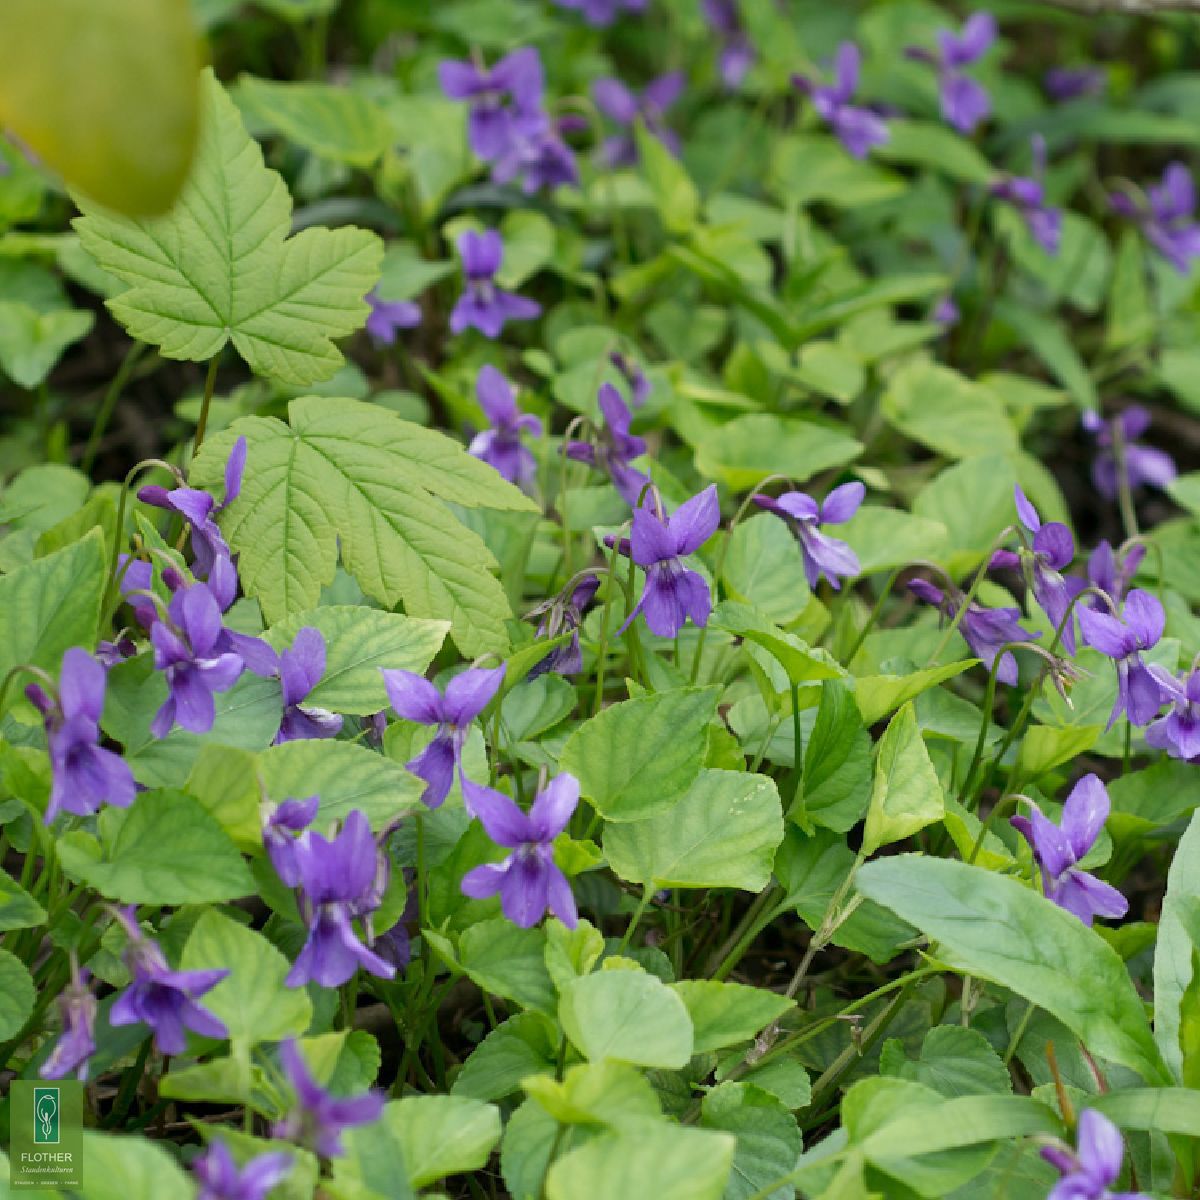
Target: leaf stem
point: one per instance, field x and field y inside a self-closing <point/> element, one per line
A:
<point x="210" y="386"/>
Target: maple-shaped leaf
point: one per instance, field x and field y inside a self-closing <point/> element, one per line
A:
<point x="220" y="266"/>
<point x="346" y="477"/>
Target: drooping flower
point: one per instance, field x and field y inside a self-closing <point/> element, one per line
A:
<point x="986" y="630"/>
<point x="199" y="509"/>
<point x="965" y="103"/>
<point x="165" y="1000"/>
<point x="388" y="317"/>
<point x="615" y="447"/>
<point x="300" y="670"/>
<point x="737" y="54"/>
<point x="1178" y="732"/>
<point x="564" y="614"/>
<point x="501" y="446"/>
<point x="1053" y="550"/>
<point x="536" y="154"/>
<point x="824" y="557"/>
<point x="1028" y="197"/>
<point x="602" y="13"/>
<point x="188" y="649"/>
<point x="1165" y="216"/>
<point x="1111" y="576"/>
<point x="282" y="824"/>
<point x="1123" y="639"/>
<point x="634" y="376"/>
<point x="220" y="1177"/>
<point x="1089" y="1171"/>
<point x="319" y="1118"/>
<point x="339" y="879"/>
<point x="84" y="774"/>
<point x="673" y="592"/>
<point x="416" y="699"/>
<point x="528" y="880"/>
<point x="517" y="76"/>
<point x="857" y="128"/>
<point x="1070" y="83"/>
<point x="483" y="305"/>
<point x="626" y="107"/>
<point x="1057" y="848"/>
<point x="77" y="1043"/>
<point x="1145" y="466"/>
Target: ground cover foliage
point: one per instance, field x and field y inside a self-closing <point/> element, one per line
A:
<point x="597" y="597"/>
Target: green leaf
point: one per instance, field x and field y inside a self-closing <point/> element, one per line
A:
<point x="722" y="832"/>
<point x="889" y="537"/>
<point x="657" y="1162"/>
<point x="628" y="1016"/>
<point x="953" y="1061"/>
<point x="441" y="1135"/>
<point x="531" y="1139"/>
<point x="49" y="606"/>
<point x="334" y="122"/>
<point x="32" y="342"/>
<point x="973" y="500"/>
<point x="604" y="1093"/>
<point x="358" y="642"/>
<point x="744" y="451"/>
<point x="130" y="1168"/>
<point x="354" y="475"/>
<point x="571" y="952"/>
<point x="106" y="95"/>
<point x="1155" y="1110"/>
<point x="803" y="664"/>
<point x="997" y="929"/>
<point x="346" y="776"/>
<point x="508" y="961"/>
<point x="529" y="242"/>
<point x="837" y="764"/>
<point x="925" y="144"/>
<point x="252" y="1000"/>
<point x="724" y="1014"/>
<point x="768" y="1140"/>
<point x="763" y="567"/>
<point x="41" y="496"/>
<point x="941" y="409"/>
<point x="16" y="995"/>
<point x="1131" y="318"/>
<point x="1173" y="953"/>
<point x="907" y="794"/>
<point x="18" y="909"/>
<point x="220" y="266"/>
<point x="636" y="758"/>
<point x="1047" y="746"/>
<point x="809" y="168"/>
<point x="675" y="195"/>
<point x="524" y="1045"/>
<point x="225" y="781"/>
<point x="167" y="850"/>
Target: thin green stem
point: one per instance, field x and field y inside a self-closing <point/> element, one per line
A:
<point x="109" y="403"/>
<point x="210" y="386"/>
<point x="636" y="919"/>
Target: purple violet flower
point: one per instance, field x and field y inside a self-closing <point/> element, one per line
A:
<point x="1145" y="465"/>
<point x="945" y="312"/>
<point x="199" y="509"/>
<point x="482" y="304"/>
<point x="84" y="774"/>
<point x="672" y="592"/>
<point x="965" y="103"/>
<point x="340" y="879"/>
<point x="300" y="670"/>
<point x="737" y="54"/>
<point x="536" y="154"/>
<point x="634" y="376"/>
<point x="78" y="1040"/>
<point x="416" y="699"/>
<point x="189" y="650"/>
<point x="615" y="447"/>
<point x="1178" y="732"/>
<point x="1110" y="576"/>
<point x="220" y="1177"/>
<point x="1028" y="197"/>
<point x="1089" y="1171"/>
<point x="165" y="1000"/>
<point x="388" y="317"/>
<point x="626" y="107"/>
<point x="857" y="128"/>
<point x="1070" y="83"/>
<point x="1165" y="216"/>
<point x="1057" y="848"/>
<point x="1053" y="550"/>
<point x="517" y="75"/>
<point x="528" y="880"/>
<point x="985" y="630"/>
<point x="559" y="615"/>
<point x="501" y="446"/>
<point x="823" y="556"/>
<point x="278" y="834"/>
<point x="1123" y="639"/>
<point x="318" y="1118"/>
<point x="602" y="13"/>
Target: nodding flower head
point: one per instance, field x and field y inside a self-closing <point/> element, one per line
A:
<point x="1145" y="466"/>
<point x="501" y="446"/>
<point x="1028" y="197"/>
<point x="614" y="448"/>
<point x="857" y="128"/>
<point x="965" y="103"/>
<point x="824" y="557"/>
<point x="1164" y="216"/>
<point x="483" y="305"/>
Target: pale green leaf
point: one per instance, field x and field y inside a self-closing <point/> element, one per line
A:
<point x="441" y="1135"/>
<point x="18" y="909"/>
<point x="907" y="794"/>
<point x="724" y="1014"/>
<point x="32" y="342"/>
<point x="744" y="451"/>
<point x="945" y="411"/>
<point x="130" y="1168"/>
<point x="16" y="994"/>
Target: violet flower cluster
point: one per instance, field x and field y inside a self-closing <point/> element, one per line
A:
<point x="965" y="102"/>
